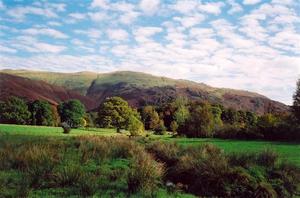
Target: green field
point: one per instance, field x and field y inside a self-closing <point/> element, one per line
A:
<point x="287" y="151"/>
<point x="40" y="161"/>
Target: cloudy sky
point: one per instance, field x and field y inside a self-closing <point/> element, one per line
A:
<point x="242" y="44"/>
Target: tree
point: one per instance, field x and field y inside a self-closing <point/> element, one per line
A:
<point x="160" y="129"/>
<point x="41" y="113"/>
<point x="296" y="103"/>
<point x="230" y="116"/>
<point x="200" y="122"/>
<point x="150" y="117"/>
<point x="135" y="127"/>
<point x="174" y="126"/>
<point x="72" y="112"/>
<point x="115" y="112"/>
<point x="181" y="115"/>
<point x="217" y="112"/>
<point x="14" y="111"/>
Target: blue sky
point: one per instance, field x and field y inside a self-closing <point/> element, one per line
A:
<point x="241" y="44"/>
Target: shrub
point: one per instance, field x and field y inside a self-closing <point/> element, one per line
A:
<point x="267" y="158"/>
<point x="68" y="175"/>
<point x="145" y="174"/>
<point x="66" y="127"/>
<point x="174" y="126"/>
<point x="87" y="185"/>
<point x="136" y="127"/>
<point x="168" y="153"/>
<point x="160" y="129"/>
<point x="245" y="160"/>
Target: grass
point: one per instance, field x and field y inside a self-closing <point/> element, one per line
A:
<point x="38" y="161"/>
<point x="287" y="151"/>
<point x="28" y="130"/>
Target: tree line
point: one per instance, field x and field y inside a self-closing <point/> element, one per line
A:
<point x="182" y="117"/>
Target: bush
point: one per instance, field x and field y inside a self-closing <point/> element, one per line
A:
<point x="136" y="127"/>
<point x="168" y="153"/>
<point x="267" y="158"/>
<point x="160" y="129"/>
<point x="145" y="174"/>
<point x="66" y="127"/>
<point x="68" y="175"/>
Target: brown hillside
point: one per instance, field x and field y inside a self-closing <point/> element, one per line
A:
<point x="33" y="89"/>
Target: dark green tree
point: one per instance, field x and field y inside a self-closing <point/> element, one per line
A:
<point x="72" y="112"/>
<point x="296" y="103"/>
<point x="14" y="111"/>
<point x="200" y="122"/>
<point x="174" y="126"/>
<point x="150" y="117"/>
<point x="230" y="116"/>
<point x="115" y="112"/>
<point x="41" y="113"/>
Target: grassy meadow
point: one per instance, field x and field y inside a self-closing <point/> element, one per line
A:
<point x="40" y="161"/>
<point x="287" y="151"/>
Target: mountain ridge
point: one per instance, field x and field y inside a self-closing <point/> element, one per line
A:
<point x="142" y="88"/>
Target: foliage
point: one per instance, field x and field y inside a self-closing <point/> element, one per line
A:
<point x="72" y="112"/>
<point x="41" y="113"/>
<point x="160" y="129"/>
<point x="150" y="117"/>
<point x="14" y="111"/>
<point x="145" y="174"/>
<point x="174" y="126"/>
<point x="66" y="127"/>
<point x="296" y="103"/>
<point x="136" y="127"/>
<point x="115" y="112"/>
<point x="200" y="122"/>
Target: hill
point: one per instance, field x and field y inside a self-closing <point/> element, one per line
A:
<point x="31" y="90"/>
<point x="79" y="81"/>
<point x="140" y="89"/>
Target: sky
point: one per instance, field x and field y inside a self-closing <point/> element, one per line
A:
<point x="242" y="44"/>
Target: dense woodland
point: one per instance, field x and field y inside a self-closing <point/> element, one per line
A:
<point x="181" y="116"/>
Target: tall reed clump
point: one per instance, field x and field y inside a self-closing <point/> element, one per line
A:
<point x="145" y="174"/>
<point x="105" y="148"/>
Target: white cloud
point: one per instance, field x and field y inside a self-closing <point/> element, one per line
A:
<point x="149" y="7"/>
<point x="212" y="8"/>
<point x="46" y="47"/>
<point x="185" y="6"/>
<point x="19" y="13"/>
<point x="190" y="21"/>
<point x="117" y="34"/>
<point x="235" y="7"/>
<point x="54" y="23"/>
<point x="7" y="49"/>
<point x="251" y="2"/>
<point x="91" y="33"/>
<point x="78" y="16"/>
<point x="45" y="31"/>
<point x="98" y="16"/>
<point x="2" y="6"/>
<point x="100" y="4"/>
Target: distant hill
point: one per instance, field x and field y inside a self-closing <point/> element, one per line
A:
<point x="31" y="90"/>
<point x="141" y="89"/>
<point x="80" y="81"/>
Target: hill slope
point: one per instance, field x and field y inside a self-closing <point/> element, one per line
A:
<point x="79" y="81"/>
<point x="11" y="85"/>
<point x="140" y="89"/>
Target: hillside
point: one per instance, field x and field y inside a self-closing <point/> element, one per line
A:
<point x="140" y="89"/>
<point x="11" y="85"/>
<point x="79" y="81"/>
